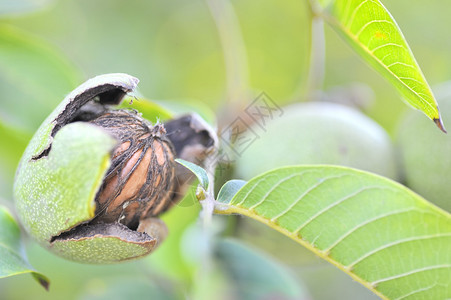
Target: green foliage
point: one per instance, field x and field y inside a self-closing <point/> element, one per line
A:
<point x="229" y="189"/>
<point x="200" y="173"/>
<point x="34" y="77"/>
<point x="348" y="218"/>
<point x="13" y="260"/>
<point x="370" y="29"/>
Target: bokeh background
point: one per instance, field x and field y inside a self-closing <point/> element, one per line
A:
<point x="175" y="48"/>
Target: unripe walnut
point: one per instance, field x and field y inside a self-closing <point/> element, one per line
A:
<point x="424" y="153"/>
<point x="93" y="180"/>
<point x="318" y="133"/>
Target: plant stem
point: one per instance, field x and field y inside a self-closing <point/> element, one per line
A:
<point x="315" y="78"/>
<point x="234" y="50"/>
<point x="208" y="204"/>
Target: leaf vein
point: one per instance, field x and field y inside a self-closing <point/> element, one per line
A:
<point x="395" y="243"/>
<point x="417" y="291"/>
<point x="363" y="224"/>
<point x="358" y="33"/>
<point x="385" y="45"/>
<point x="249" y="192"/>
<point x="400" y="63"/>
<point x="320" y="182"/>
<point x="385" y="56"/>
<point x="275" y="186"/>
<point x="419" y="270"/>
<point x="357" y="8"/>
<point x="410" y="78"/>
<point x="330" y="206"/>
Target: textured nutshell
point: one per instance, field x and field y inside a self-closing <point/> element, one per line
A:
<point x="317" y="133"/>
<point x="68" y="180"/>
<point x="140" y="180"/>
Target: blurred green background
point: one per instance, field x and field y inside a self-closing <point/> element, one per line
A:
<point x="47" y="48"/>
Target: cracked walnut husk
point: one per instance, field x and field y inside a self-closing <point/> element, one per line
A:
<point x="93" y="180"/>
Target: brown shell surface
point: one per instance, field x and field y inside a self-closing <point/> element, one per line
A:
<point x="141" y="177"/>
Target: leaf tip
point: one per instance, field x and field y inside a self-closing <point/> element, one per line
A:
<point x="43" y="281"/>
<point x="438" y="121"/>
<point x="45" y="284"/>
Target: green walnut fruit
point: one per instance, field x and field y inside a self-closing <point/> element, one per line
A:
<point x="93" y="179"/>
<point x="425" y="155"/>
<point x="317" y="133"/>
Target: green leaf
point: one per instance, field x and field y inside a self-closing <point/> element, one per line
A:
<point x="34" y="77"/>
<point x="229" y="189"/>
<point x="12" y="256"/>
<point x="200" y="173"/>
<point x="380" y="233"/>
<point x="373" y="33"/>
<point x="255" y="275"/>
